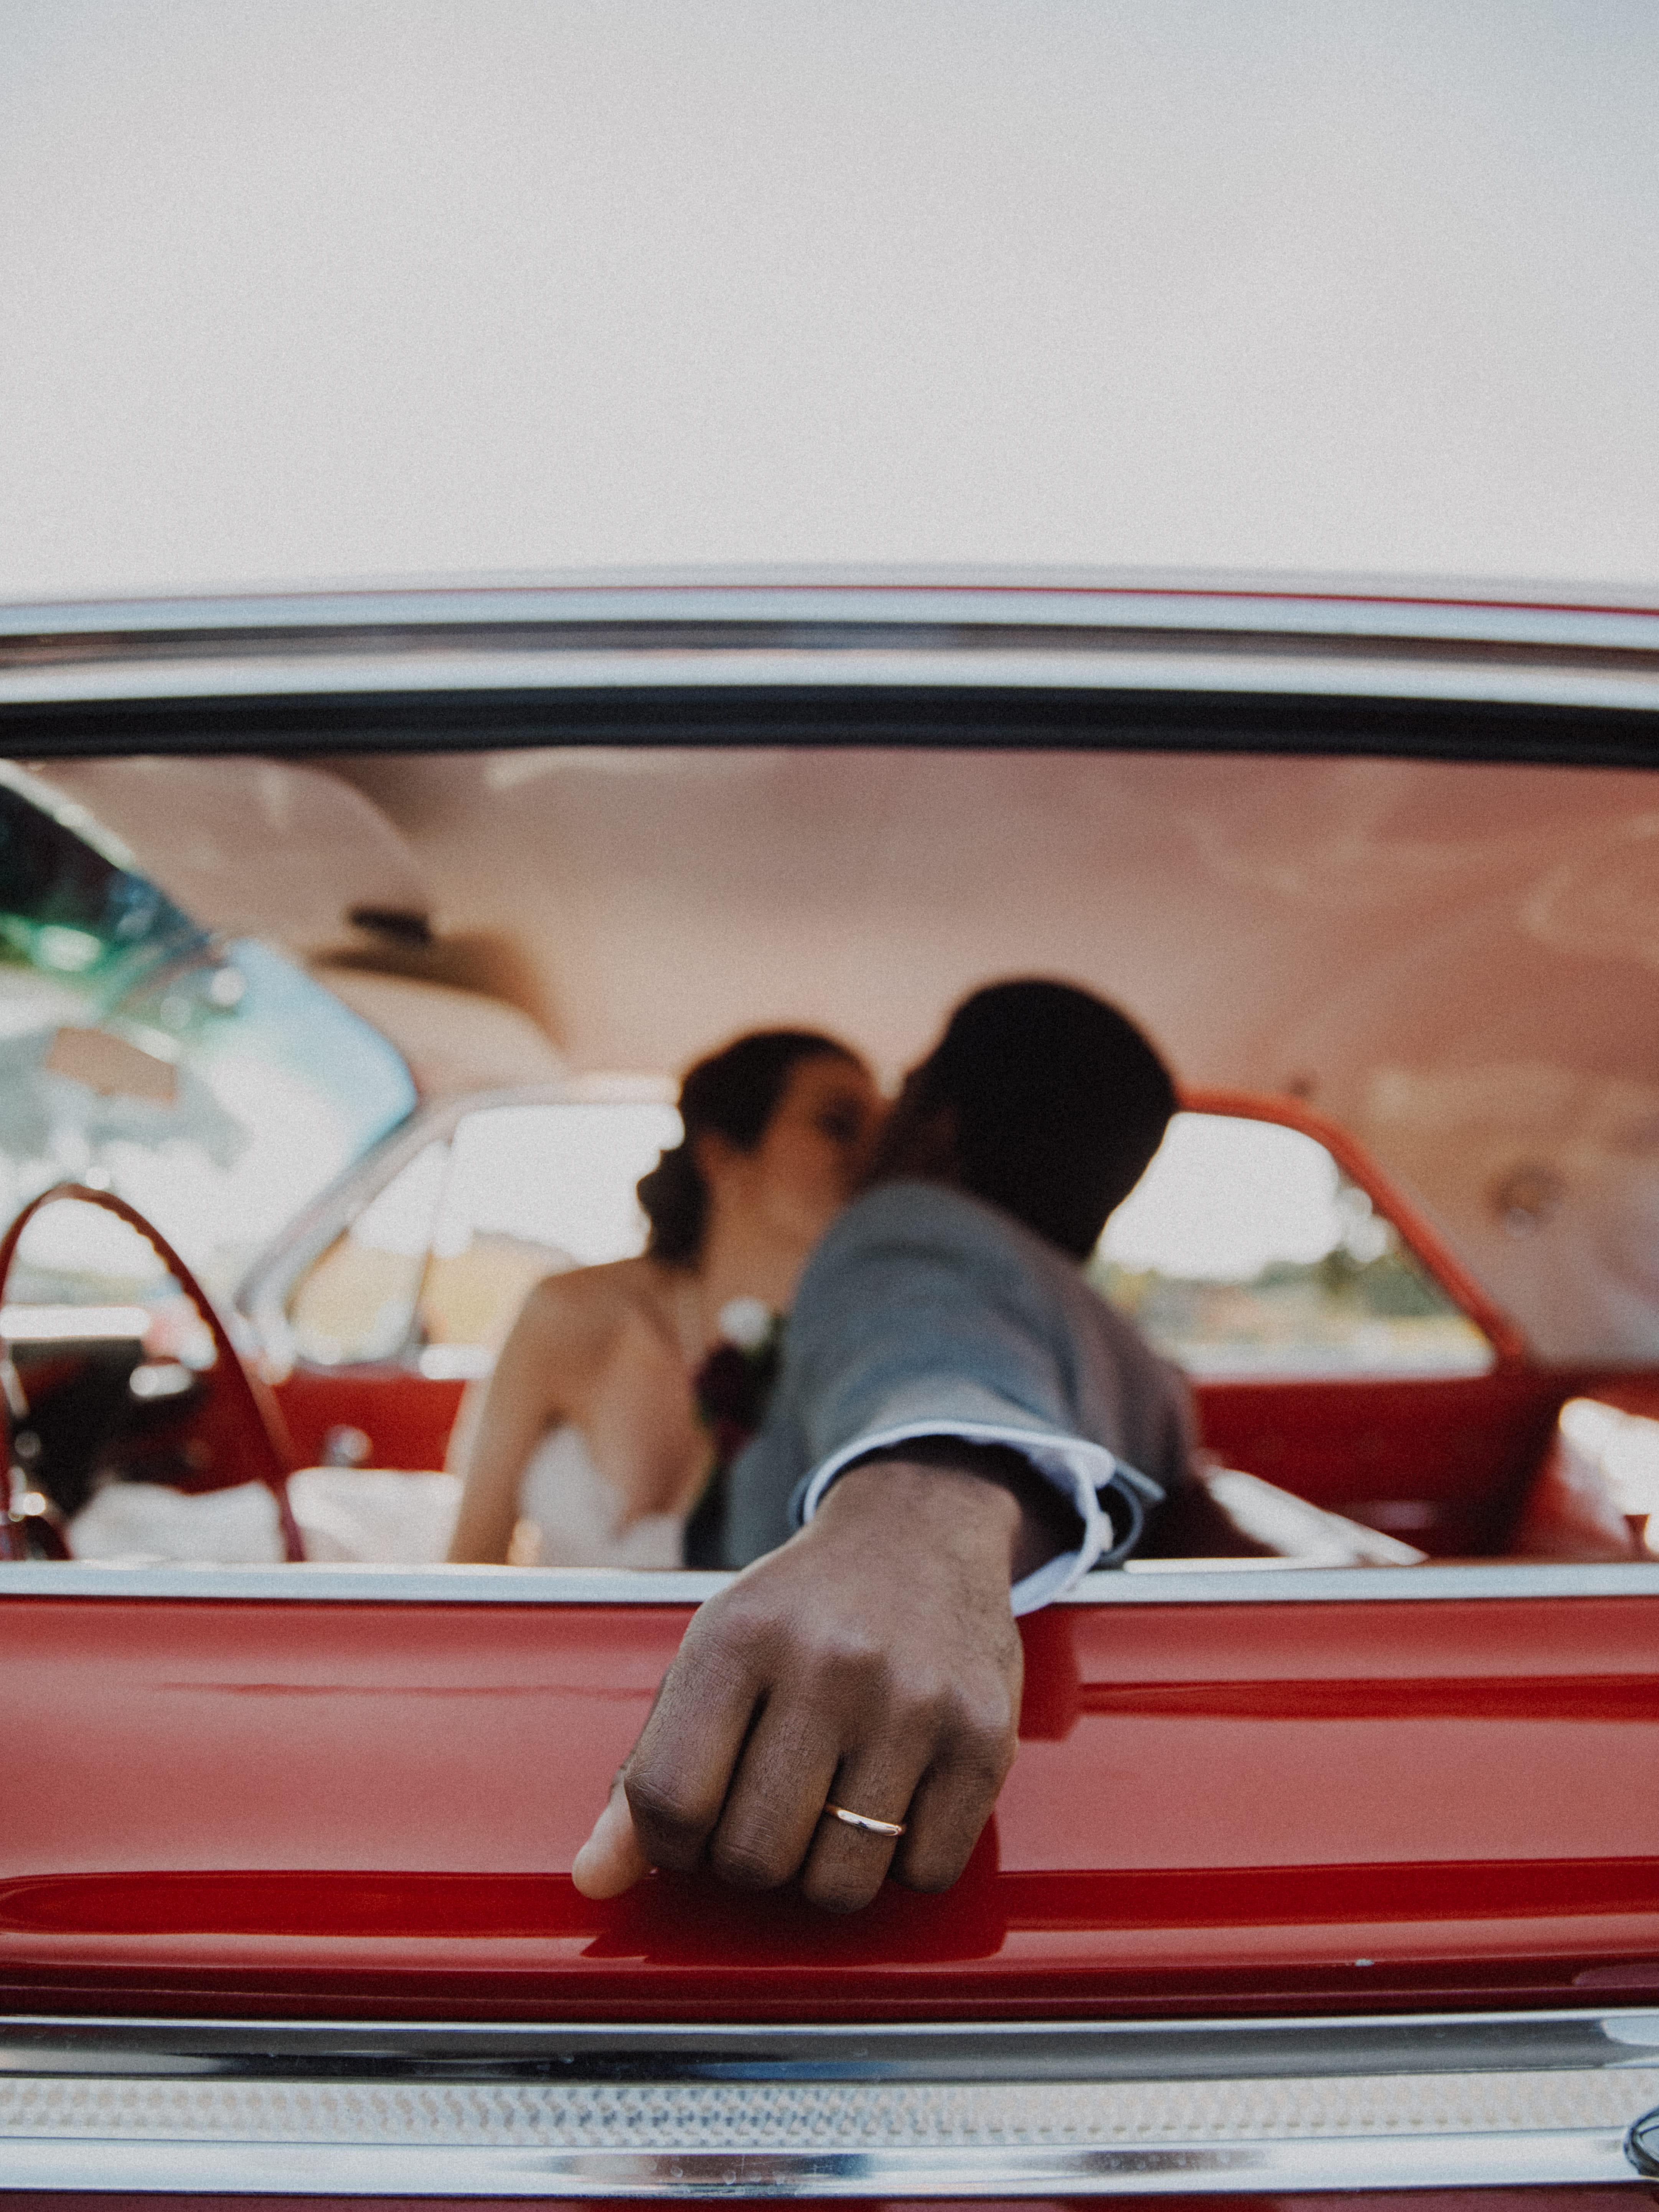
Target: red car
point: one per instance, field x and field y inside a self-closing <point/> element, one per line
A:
<point x="1327" y="1866"/>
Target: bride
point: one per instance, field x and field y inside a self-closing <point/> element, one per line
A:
<point x="622" y="1390"/>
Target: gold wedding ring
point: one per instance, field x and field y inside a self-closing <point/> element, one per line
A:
<point x="870" y="1826"/>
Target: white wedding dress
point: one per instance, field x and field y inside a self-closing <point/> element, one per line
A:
<point x="579" y="1513"/>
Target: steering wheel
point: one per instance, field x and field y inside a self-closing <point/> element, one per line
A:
<point x="231" y="1432"/>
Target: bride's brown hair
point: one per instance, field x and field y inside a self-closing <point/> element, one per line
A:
<point x="733" y="1093"/>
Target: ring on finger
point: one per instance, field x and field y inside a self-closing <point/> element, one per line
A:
<point x="866" y="1821"/>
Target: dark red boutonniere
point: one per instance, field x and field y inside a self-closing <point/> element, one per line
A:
<point x="732" y="1388"/>
<point x="735" y="1381"/>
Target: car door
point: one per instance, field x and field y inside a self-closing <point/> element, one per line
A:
<point x="1315" y="1807"/>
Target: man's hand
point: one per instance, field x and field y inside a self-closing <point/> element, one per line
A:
<point x="872" y="1662"/>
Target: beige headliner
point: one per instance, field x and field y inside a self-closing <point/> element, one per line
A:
<point x="1458" y="962"/>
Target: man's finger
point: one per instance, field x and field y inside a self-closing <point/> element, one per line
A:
<point x="679" y="1772"/>
<point x="953" y="1801"/>
<point x="775" y="1799"/>
<point x="612" y="1859"/>
<point x="848" y="1865"/>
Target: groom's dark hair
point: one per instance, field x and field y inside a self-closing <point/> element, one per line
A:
<point x="1059" y="1103"/>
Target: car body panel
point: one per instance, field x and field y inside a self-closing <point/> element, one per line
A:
<point x="374" y="1806"/>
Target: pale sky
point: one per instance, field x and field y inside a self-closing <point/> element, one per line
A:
<point x="303" y="289"/>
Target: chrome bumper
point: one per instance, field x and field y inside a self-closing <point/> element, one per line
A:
<point x="1499" y="2099"/>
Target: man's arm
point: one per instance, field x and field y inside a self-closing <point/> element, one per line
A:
<point x="870" y="1658"/>
<point x="872" y="1662"/>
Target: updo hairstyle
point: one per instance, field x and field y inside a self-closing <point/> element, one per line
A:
<point x="733" y="1094"/>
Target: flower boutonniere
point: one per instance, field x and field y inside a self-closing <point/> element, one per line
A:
<point x="735" y="1380"/>
<point x="731" y="1388"/>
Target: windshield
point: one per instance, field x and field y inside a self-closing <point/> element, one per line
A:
<point x="204" y="1078"/>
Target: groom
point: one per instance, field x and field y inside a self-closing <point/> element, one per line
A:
<point x="961" y="1429"/>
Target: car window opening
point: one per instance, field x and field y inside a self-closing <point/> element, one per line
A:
<point x="1390" y="1238"/>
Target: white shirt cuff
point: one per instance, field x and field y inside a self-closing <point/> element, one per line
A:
<point x="1077" y="1468"/>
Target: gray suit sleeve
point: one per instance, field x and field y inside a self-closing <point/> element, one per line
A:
<point x="903" y="1334"/>
<point x="904" y="1330"/>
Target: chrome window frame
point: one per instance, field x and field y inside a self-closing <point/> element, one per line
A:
<point x="1233" y="1581"/>
<point x="263" y="1295"/>
<point x="536" y="657"/>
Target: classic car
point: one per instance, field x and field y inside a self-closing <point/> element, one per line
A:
<point x="1327" y="1864"/>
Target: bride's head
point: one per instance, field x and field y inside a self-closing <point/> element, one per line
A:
<point x="777" y="1127"/>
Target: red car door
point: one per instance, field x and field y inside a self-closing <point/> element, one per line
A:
<point x="293" y="1795"/>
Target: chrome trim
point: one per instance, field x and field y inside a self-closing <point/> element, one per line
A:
<point x="1641" y="2145"/>
<point x="1230" y="1582"/>
<point x="1538" y="2157"/>
<point x="1281" y="1582"/>
<point x="1544" y="2039"/>
<point x="1215" y="2106"/>
<point x="1338" y="606"/>
<point x="308" y="1584"/>
<point x="262" y="1294"/>
<point x="1118" y="632"/>
<point x="1264" y="667"/>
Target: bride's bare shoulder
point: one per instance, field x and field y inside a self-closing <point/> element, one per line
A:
<point x="587" y="1305"/>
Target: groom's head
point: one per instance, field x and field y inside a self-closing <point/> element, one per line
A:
<point x="1040" y="1097"/>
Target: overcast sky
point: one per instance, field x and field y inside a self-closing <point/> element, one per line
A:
<point x="293" y="288"/>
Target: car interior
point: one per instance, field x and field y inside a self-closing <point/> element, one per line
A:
<point x="327" y="1062"/>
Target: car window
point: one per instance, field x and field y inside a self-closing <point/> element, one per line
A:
<point x="530" y="1190"/>
<point x="434" y="1267"/>
<point x="625" y="913"/>
<point x="1246" y="1250"/>
<point x="356" y="1303"/>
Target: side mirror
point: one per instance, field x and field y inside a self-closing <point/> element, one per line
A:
<point x="1641" y="2145"/>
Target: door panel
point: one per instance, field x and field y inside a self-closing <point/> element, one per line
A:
<point x="1443" y="1462"/>
<point x="373" y="1808"/>
<point x="405" y="1417"/>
